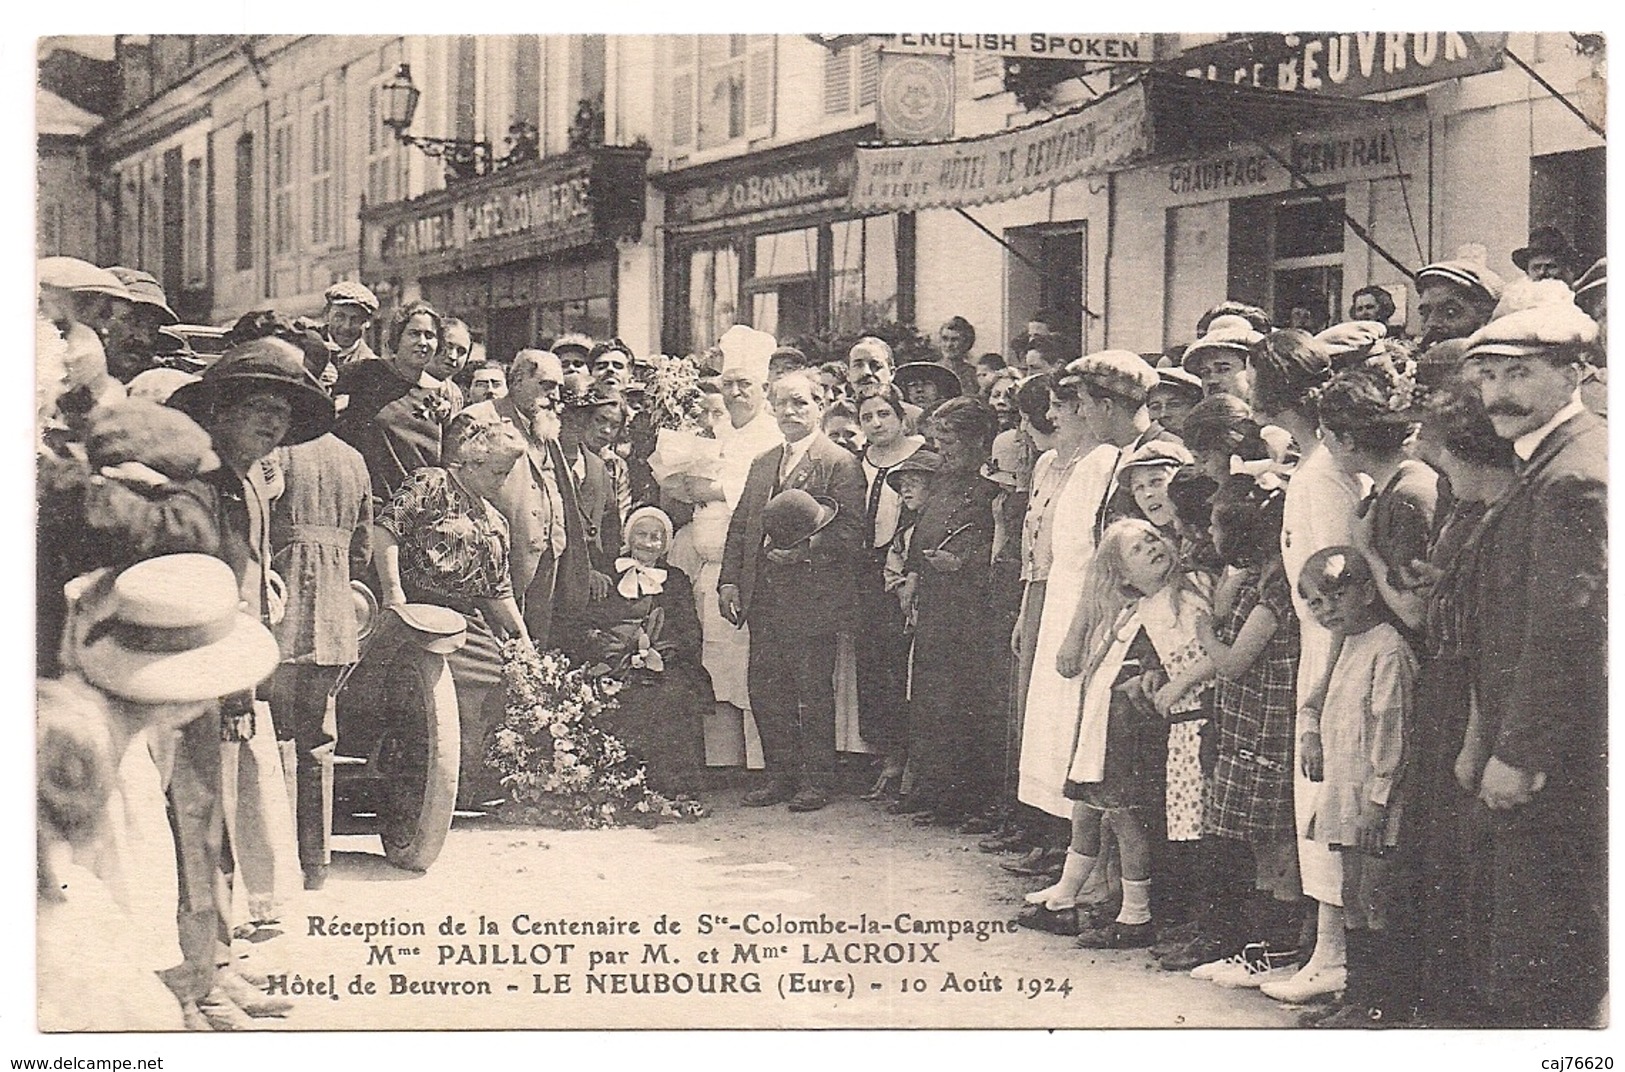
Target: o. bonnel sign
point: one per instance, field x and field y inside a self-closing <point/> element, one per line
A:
<point x="1106" y="133"/>
<point x="796" y="183"/>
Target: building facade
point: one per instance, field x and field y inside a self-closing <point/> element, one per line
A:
<point x="1288" y="170"/>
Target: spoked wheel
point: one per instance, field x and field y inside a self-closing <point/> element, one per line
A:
<point x="417" y="763"/>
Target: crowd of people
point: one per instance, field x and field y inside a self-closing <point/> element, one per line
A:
<point x="1280" y="655"/>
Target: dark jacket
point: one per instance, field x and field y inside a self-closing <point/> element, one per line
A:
<point x="592" y="527"/>
<point x="821" y="591"/>
<point x="1539" y="641"/>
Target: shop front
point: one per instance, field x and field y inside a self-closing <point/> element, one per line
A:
<point x="524" y="254"/>
<point x="772" y="240"/>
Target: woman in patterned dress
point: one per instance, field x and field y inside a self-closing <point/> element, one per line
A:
<point x="440" y="541"/>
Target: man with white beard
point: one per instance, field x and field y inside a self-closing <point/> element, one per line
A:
<point x="529" y="499"/>
<point x="730" y="731"/>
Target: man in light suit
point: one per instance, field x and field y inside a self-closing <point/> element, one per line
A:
<point x="1536" y="749"/>
<point x="592" y="517"/>
<point x="796" y="599"/>
<point x="530" y="499"/>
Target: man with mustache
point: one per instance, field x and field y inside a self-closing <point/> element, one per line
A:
<point x="870" y="367"/>
<point x="530" y="499"/>
<point x="1536" y="747"/>
<point x="1455" y="298"/>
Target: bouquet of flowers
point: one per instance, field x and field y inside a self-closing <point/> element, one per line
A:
<point x="684" y="443"/>
<point x="559" y="766"/>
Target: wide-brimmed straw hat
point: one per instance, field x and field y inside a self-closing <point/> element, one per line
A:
<point x="174" y="634"/>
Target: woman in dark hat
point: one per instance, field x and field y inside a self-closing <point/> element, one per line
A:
<point x="441" y="541"/>
<point x="926" y="384"/>
<point x="953" y="746"/>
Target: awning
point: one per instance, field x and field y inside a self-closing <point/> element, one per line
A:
<point x="1158" y="116"/>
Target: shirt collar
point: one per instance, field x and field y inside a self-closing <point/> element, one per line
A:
<point x="1526" y="445"/>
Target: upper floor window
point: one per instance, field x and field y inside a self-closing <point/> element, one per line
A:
<point x="282" y="193"/>
<point x="851" y="78"/>
<point x="321" y="175"/>
<point x="721" y="89"/>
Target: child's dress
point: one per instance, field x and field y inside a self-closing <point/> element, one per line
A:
<point x="1362" y="729"/>
<point x="1257" y="721"/>
<point x="1124" y="750"/>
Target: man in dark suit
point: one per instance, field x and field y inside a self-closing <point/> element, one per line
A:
<point x="796" y="599"/>
<point x="1537" y="748"/>
<point x="592" y="518"/>
<point x="531" y="499"/>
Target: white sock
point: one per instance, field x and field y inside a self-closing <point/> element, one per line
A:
<point x="1331" y="941"/>
<point x="1136" y="902"/>
<point x="1064" y="893"/>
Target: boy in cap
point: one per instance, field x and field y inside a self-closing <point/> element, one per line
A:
<point x="1112" y="387"/>
<point x="349" y="312"/>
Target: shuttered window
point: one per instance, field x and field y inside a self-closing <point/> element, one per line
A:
<point x="721" y="90"/>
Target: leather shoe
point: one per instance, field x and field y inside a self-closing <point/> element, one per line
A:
<point x="1010" y="842"/>
<point x="1116" y="935"/>
<point x="1038" y="861"/>
<point x="768" y="795"/>
<point x="808" y="800"/>
<point x="1054" y="921"/>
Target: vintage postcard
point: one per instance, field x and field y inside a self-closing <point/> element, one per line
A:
<point x="612" y="531"/>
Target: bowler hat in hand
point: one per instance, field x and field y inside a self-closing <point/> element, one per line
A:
<point x="794" y="516"/>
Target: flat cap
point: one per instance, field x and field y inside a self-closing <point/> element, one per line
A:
<point x="1229" y="332"/>
<point x="1353" y="341"/>
<point x="1119" y="372"/>
<point x="1176" y="378"/>
<point x="349" y="292"/>
<point x="1533" y="332"/>
<point x="1164" y="453"/>
<point x="1468" y="274"/>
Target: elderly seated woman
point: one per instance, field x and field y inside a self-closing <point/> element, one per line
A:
<point x="440" y="541"/>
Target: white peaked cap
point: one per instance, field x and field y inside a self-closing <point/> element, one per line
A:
<point x="746" y="350"/>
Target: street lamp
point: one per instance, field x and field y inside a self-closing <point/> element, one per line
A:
<point x="465" y="158"/>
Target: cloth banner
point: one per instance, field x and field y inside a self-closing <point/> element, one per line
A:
<point x="1104" y="134"/>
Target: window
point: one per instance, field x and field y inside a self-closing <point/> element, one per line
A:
<point x="527" y="80"/>
<point x="244" y="183"/>
<point x="863" y="273"/>
<point x="851" y="79"/>
<point x="721" y="89"/>
<point x="321" y="175"/>
<point x="386" y="164"/>
<point x="839" y="278"/>
<point x="197" y="269"/>
<point x="713" y="294"/>
<point x="282" y="200"/>
<point x="1286" y="252"/>
<point x="1569" y="191"/>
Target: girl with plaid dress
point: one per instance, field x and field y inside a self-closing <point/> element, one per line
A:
<point x="1253" y="642"/>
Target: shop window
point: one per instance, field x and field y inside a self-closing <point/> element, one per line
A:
<point x="863" y="273"/>
<point x="851" y="79"/>
<point x="1049" y="282"/>
<point x="244" y="186"/>
<point x="721" y="89"/>
<point x="1569" y="191"/>
<point x="713" y="294"/>
<point x="1286" y="253"/>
